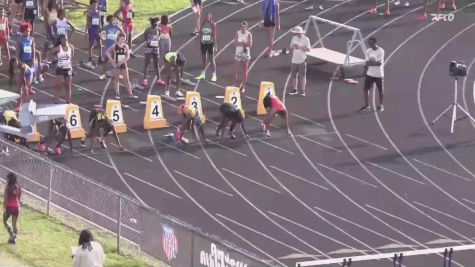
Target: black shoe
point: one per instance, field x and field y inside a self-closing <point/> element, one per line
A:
<point x="293" y="92"/>
<point x="365" y="108"/>
<point x="380" y="108"/>
<point x="83" y="144"/>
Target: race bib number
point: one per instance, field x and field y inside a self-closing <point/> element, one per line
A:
<point x="30" y="4"/>
<point x="27" y="49"/>
<point x="61" y="31"/>
<point x="120" y="58"/>
<point x="112" y="36"/>
<point x="129" y="14"/>
<point x="95" y="21"/>
<point x="164" y="36"/>
<point x="3" y="27"/>
<point x="154" y="43"/>
<point x="206" y="38"/>
<point x="156" y="108"/>
<point x="102" y="13"/>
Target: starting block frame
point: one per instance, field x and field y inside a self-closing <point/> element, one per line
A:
<point x="333" y="56"/>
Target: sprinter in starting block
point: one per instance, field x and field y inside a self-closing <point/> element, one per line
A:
<point x="57" y="130"/>
<point x="229" y="113"/>
<point x="274" y="107"/>
<point x="191" y="121"/>
<point x="100" y="126"/>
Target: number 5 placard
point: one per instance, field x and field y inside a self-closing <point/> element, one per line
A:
<point x="154" y="117"/>
<point x="232" y="95"/>
<point x="193" y="99"/>
<point x="73" y="118"/>
<point x="114" y="113"/>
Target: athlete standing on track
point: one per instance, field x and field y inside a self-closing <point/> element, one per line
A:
<point x="58" y="130"/>
<point x="26" y="45"/>
<point x="119" y="54"/>
<point x="243" y="41"/>
<point x="11" y="206"/>
<point x="102" y="5"/>
<point x="374" y="74"/>
<point x="196" y="6"/>
<point x="271" y="21"/>
<point x="59" y="28"/>
<point x="209" y="45"/>
<point x="112" y="32"/>
<point x="50" y="10"/>
<point x="127" y="12"/>
<point x="4" y="34"/>
<point x="92" y="29"/>
<point x="30" y="12"/>
<point x="165" y="35"/>
<point x="230" y="113"/>
<point x="64" y="69"/>
<point x="174" y="62"/>
<point x="274" y="107"/>
<point x="152" y="49"/>
<point x="16" y="7"/>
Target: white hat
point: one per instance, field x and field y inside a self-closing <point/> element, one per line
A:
<point x="298" y="29"/>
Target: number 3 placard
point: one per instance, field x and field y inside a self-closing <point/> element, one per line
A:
<point x="194" y="99"/>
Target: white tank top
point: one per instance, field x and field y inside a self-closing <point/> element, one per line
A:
<point x="62" y="27"/>
<point x="243" y="37"/>
<point x="64" y="58"/>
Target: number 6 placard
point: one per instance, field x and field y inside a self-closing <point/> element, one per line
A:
<point x="154" y="117"/>
<point x="232" y="95"/>
<point x="73" y="118"/>
<point x="114" y="113"/>
<point x="193" y="99"/>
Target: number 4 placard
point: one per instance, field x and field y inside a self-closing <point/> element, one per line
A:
<point x="232" y="95"/>
<point x="154" y="117"/>
<point x="193" y="99"/>
<point x="73" y="118"/>
<point x="114" y="112"/>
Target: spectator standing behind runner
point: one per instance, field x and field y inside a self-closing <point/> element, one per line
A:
<point x="165" y="35"/>
<point x="152" y="40"/>
<point x="64" y="69"/>
<point x="374" y="74"/>
<point x="89" y="253"/>
<point x="300" y="45"/>
<point x="196" y="6"/>
<point x="25" y="45"/>
<point x="30" y="12"/>
<point x="243" y="42"/>
<point x="102" y="5"/>
<point x="209" y="45"/>
<point x="127" y="12"/>
<point x="16" y="7"/>
<point x="4" y="34"/>
<point x="11" y="206"/>
<point x="271" y="21"/>
<point x="112" y="32"/>
<point x="93" y="27"/>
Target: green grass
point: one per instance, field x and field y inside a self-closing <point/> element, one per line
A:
<point x="144" y="9"/>
<point x="44" y="242"/>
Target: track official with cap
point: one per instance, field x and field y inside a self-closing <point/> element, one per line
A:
<point x="300" y="45"/>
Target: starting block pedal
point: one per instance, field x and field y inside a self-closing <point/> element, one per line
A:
<point x="265" y="88"/>
<point x="114" y="112"/>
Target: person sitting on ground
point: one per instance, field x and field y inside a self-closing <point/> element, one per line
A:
<point x="230" y="113"/>
<point x="100" y="126"/>
<point x="174" y="62"/>
<point x="274" y="107"/>
<point x="11" y="206"/>
<point x="89" y="253"/>
<point x="58" y="130"/>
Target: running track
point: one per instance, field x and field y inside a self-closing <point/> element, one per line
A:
<point x="347" y="183"/>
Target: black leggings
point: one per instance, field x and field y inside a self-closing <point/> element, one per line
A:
<point x="148" y="56"/>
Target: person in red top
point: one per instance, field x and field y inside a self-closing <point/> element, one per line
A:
<point x="4" y="33"/>
<point x="11" y="205"/>
<point x="127" y="12"/>
<point x="274" y="107"/>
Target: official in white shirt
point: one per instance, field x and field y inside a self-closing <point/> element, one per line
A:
<point x="374" y="74"/>
<point x="300" y="45"/>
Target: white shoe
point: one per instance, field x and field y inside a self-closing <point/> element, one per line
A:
<point x="167" y="93"/>
<point x="179" y="94"/>
<point x="406" y="4"/>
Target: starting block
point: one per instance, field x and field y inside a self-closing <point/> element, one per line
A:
<point x="114" y="112"/>
<point x="233" y="96"/>
<point x="36" y="137"/>
<point x="154" y="117"/>
<point x="265" y="88"/>
<point x="194" y="99"/>
<point x="74" y="124"/>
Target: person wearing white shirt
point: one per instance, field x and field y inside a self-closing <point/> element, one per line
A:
<point x="89" y="253"/>
<point x="243" y="42"/>
<point x="300" y="45"/>
<point x="374" y="74"/>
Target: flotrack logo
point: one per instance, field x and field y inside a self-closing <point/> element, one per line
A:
<point x="443" y="17"/>
<point x="218" y="258"/>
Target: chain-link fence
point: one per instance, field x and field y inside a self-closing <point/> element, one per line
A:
<point x="163" y="237"/>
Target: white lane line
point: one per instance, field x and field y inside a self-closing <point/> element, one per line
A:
<point x="347" y="175"/>
<point x="398" y="217"/>
<point x="358" y="225"/>
<point x="252" y="98"/>
<point x="367" y="142"/>
<point x="317" y="134"/>
<point x="309" y="229"/>
<point x="133" y="153"/>
<point x="132" y="130"/>
<point x="250" y="180"/>
<point x="78" y="86"/>
<point x="227" y="148"/>
<point x="443" y="213"/>
<point x="442" y="170"/>
<point x="469" y="201"/>
<point x="274" y="146"/>
<point x="394" y="172"/>
<point x="257" y="232"/>
<point x="202" y="183"/>
<point x="308" y="120"/>
<point x="318" y="143"/>
<point x="298" y="177"/>
<point x="179" y="150"/>
<point x="259" y="120"/>
<point x="152" y="185"/>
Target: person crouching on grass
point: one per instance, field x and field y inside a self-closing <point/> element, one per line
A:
<point x="274" y="107"/>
